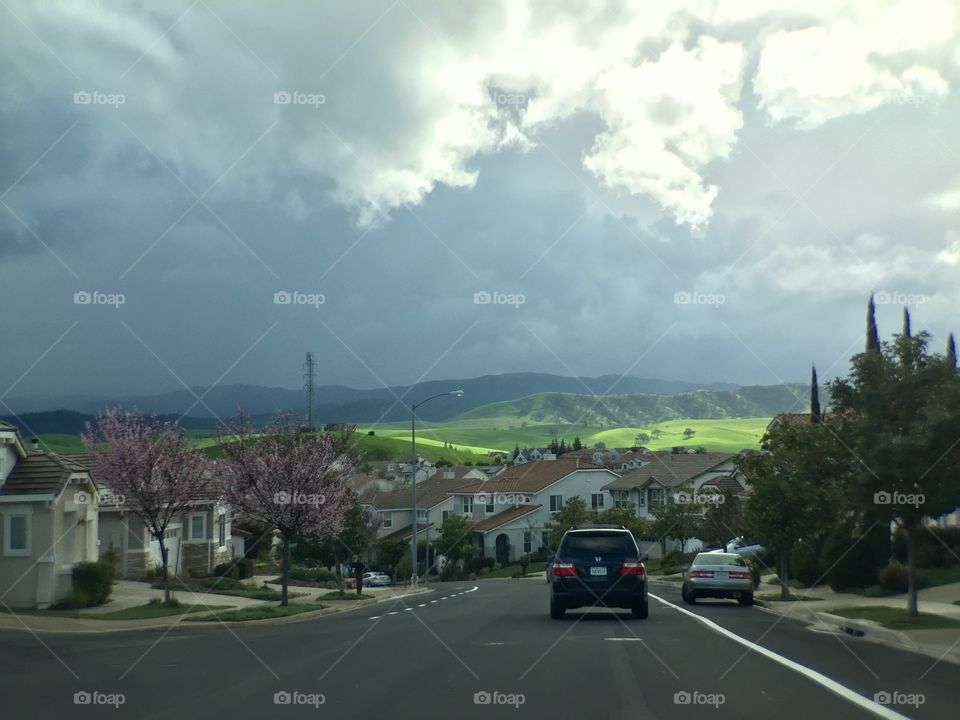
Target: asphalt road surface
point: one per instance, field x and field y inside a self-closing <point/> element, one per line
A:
<point x="478" y="650"/>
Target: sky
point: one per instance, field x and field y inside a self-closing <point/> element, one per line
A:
<point x="198" y="193"/>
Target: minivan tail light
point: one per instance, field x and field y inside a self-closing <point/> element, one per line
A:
<point x="564" y="570"/>
<point x="633" y="568"/>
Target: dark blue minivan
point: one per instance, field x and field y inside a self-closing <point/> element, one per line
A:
<point x="599" y="567"/>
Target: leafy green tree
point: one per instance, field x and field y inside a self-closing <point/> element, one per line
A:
<point x="454" y="537"/>
<point x="793" y="489"/>
<point x="627" y="517"/>
<point x="677" y="519"/>
<point x="722" y="520"/>
<point x="656" y="433"/>
<point x="642" y="438"/>
<point x="390" y="553"/>
<point x="688" y="433"/>
<point x="573" y="514"/>
<point x="898" y="412"/>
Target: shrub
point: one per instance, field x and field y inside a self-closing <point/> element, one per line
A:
<point x="94" y="580"/>
<point x="74" y="601"/>
<point x="228" y="570"/>
<point x="855" y="561"/>
<point x="805" y="562"/>
<point x="936" y="547"/>
<point x="311" y="574"/>
<point x="893" y="577"/>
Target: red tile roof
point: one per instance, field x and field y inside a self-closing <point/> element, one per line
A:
<point x="502" y="518"/>
<point x="529" y="477"/>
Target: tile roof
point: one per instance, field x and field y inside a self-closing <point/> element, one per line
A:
<point x="530" y="477"/>
<point x="403" y="533"/>
<point x="430" y="492"/>
<point x="502" y="518"/>
<point x="669" y="469"/>
<point x="40" y="474"/>
<point x="726" y="483"/>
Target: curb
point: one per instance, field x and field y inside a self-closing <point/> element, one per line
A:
<point x="867" y="629"/>
<point x="181" y="624"/>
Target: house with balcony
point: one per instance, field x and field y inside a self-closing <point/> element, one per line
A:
<point x="48" y="522"/>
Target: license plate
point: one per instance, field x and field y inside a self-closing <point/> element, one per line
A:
<point x="721" y="575"/>
<point x="598" y="570"/>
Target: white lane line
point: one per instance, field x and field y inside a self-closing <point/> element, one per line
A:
<point x="375" y="617"/>
<point x="407" y="609"/>
<point x="422" y="605"/>
<point x="628" y="639"/>
<point x="443" y="598"/>
<point x="831" y="685"/>
<point x="432" y="602"/>
<point x="392" y="613"/>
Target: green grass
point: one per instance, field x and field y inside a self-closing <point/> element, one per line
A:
<point x="60" y="443"/>
<point x="897" y="618"/>
<point x="352" y="595"/>
<point x="775" y="597"/>
<point x="261" y="612"/>
<point x="511" y="570"/>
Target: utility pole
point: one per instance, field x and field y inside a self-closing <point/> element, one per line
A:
<point x="308" y="386"/>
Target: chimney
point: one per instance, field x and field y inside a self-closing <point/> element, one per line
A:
<point x="35" y="444"/>
<point x="549" y="456"/>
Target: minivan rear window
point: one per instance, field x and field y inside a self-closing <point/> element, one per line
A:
<point x="593" y="544"/>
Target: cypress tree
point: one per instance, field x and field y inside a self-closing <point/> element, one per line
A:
<point x="951" y="351"/>
<point x="906" y="322"/>
<point x="873" y="337"/>
<point x="814" y="397"/>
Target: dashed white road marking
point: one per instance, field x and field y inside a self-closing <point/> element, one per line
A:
<point x="626" y="639"/>
<point x="822" y="680"/>
<point x="423" y="604"/>
<point x="392" y="613"/>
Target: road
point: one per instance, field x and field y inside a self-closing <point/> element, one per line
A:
<point x="427" y="656"/>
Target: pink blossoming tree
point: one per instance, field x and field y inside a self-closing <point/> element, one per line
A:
<point x="151" y="466"/>
<point x="289" y="480"/>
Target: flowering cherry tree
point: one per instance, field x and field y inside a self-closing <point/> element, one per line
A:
<point x="151" y="466"/>
<point x="292" y="481"/>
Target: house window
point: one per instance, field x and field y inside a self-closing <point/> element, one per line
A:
<point x="545" y="540"/>
<point x="421" y="515"/>
<point x="16" y="536"/>
<point x="198" y="526"/>
<point x="223" y="531"/>
<point x="489" y="508"/>
<point x="620" y="498"/>
<point x="468" y="505"/>
<point x="596" y="501"/>
<point x="387" y="519"/>
<point x="527" y="542"/>
<point x="444" y="515"/>
<point x="556" y="503"/>
<point x="655" y="497"/>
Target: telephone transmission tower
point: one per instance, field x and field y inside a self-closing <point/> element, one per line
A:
<point x="309" y="386"/>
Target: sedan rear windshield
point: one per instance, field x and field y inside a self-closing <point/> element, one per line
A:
<point x="719" y="559"/>
<point x="578" y="545"/>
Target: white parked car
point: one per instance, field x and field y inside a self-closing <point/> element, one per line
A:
<point x="376" y="579"/>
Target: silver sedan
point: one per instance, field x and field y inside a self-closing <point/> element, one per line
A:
<point x="718" y="575"/>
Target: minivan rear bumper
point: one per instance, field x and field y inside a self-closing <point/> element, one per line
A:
<point x="571" y="593"/>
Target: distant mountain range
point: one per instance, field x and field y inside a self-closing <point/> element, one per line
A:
<point x="518" y="397"/>
<point x="337" y="403"/>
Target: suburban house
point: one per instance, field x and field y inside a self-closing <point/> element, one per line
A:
<point x="630" y="460"/>
<point x="599" y="456"/>
<point x="647" y="487"/>
<point x="508" y="514"/>
<point x="48" y="522"/>
<point x="197" y="541"/>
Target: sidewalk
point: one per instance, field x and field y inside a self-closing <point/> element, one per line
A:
<point x="937" y="643"/>
<point x="129" y="594"/>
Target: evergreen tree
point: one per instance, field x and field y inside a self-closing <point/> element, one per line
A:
<point x="577" y="445"/>
<point x="516" y="450"/>
<point x="873" y="337"/>
<point x="814" y="397"/>
<point x="951" y="351"/>
<point x="906" y="322"/>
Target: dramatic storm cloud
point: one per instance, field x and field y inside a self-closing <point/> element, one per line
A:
<point x="201" y="192"/>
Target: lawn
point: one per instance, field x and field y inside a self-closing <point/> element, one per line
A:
<point x="775" y="597"/>
<point x="337" y="595"/>
<point x="897" y="618"/>
<point x="261" y="612"/>
<point x="511" y="570"/>
<point x="139" y="612"/>
<point x="60" y="443"/>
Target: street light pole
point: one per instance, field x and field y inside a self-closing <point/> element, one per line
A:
<point x="413" y="482"/>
